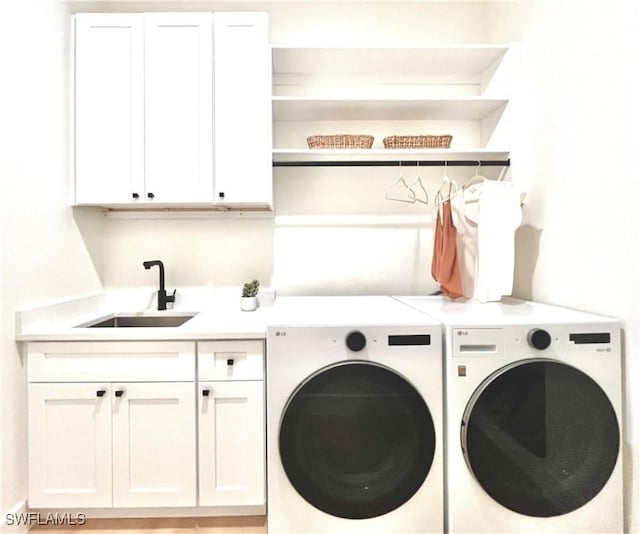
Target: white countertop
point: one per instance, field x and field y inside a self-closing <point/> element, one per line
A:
<point x="218" y="316"/>
<point x="509" y="311"/>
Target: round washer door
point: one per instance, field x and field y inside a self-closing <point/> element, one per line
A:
<point x="356" y="440"/>
<point x="541" y="437"/>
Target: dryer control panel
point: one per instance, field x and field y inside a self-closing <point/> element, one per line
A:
<point x="533" y="340"/>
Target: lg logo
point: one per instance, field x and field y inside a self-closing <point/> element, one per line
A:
<point x="280" y="333"/>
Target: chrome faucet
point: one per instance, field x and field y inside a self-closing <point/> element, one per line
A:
<point x="163" y="298"/>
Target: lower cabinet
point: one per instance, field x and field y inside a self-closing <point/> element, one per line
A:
<point x="231" y="423"/>
<point x="114" y="443"/>
<point x="126" y="425"/>
<point x="121" y="445"/>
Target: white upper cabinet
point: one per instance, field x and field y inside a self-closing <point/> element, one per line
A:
<point x="144" y="125"/>
<point x="109" y="107"/>
<point x="242" y="109"/>
<point x="178" y="108"/>
<point x="144" y="109"/>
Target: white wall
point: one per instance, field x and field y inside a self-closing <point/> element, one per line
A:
<point x="578" y="147"/>
<point x="44" y="249"/>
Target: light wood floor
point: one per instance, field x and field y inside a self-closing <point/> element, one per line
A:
<point x="199" y="525"/>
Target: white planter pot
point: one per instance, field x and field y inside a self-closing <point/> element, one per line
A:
<point x="248" y="303"/>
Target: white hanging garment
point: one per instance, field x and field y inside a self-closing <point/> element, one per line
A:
<point x="499" y="216"/>
<point x="467" y="243"/>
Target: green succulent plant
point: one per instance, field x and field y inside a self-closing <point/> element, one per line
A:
<point x="250" y="289"/>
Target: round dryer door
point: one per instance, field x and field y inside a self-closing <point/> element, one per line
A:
<point x="356" y="440"/>
<point x="541" y="437"/>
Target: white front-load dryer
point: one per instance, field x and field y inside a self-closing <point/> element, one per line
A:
<point x="354" y="417"/>
<point x="533" y="412"/>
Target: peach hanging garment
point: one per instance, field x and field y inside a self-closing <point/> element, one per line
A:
<point x="449" y="271"/>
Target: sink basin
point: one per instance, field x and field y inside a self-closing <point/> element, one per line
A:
<point x="136" y="321"/>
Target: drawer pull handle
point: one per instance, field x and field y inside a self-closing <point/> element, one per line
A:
<point x="205" y="392"/>
<point x="101" y="392"/>
<point x="230" y="362"/>
<point x="119" y="393"/>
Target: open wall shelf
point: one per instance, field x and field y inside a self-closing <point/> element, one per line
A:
<point x="460" y="90"/>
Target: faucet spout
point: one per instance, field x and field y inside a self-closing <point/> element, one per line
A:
<point x="163" y="298"/>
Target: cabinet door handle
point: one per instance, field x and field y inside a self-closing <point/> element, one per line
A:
<point x="101" y="392"/>
<point x="230" y="362"/>
<point x="205" y="392"/>
<point x="150" y="195"/>
<point x="135" y="195"/>
<point x="119" y="393"/>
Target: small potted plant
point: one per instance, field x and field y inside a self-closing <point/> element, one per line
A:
<point x="249" y="300"/>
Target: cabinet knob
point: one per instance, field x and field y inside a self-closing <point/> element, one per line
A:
<point x="230" y="362"/>
<point x="221" y="194"/>
<point x="150" y="195"/>
<point x="205" y="392"/>
<point x="101" y="392"/>
<point x="135" y="195"/>
<point x="119" y="393"/>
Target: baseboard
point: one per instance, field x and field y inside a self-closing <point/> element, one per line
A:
<point x="15" y="520"/>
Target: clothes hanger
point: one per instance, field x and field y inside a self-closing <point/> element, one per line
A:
<point x="399" y="190"/>
<point x="440" y="198"/>
<point x="471" y="195"/>
<point x="476" y="179"/>
<point x="424" y="196"/>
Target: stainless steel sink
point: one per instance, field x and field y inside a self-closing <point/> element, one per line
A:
<point x="136" y="321"/>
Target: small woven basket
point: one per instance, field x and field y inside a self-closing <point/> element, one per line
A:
<point x="417" y="141"/>
<point x="340" y="141"/>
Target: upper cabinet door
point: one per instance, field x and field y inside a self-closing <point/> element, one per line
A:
<point x="178" y="107"/>
<point x="109" y="112"/>
<point x="242" y="115"/>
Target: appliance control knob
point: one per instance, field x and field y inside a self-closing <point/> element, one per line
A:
<point x="539" y="338"/>
<point x="356" y="341"/>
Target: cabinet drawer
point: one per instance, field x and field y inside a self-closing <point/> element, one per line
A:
<point x="231" y="360"/>
<point x="111" y="361"/>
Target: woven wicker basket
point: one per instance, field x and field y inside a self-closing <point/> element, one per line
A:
<point x="417" y="141"/>
<point x="340" y="141"/>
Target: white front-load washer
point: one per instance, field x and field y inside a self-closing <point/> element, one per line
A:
<point x="354" y="417"/>
<point x="532" y="417"/>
